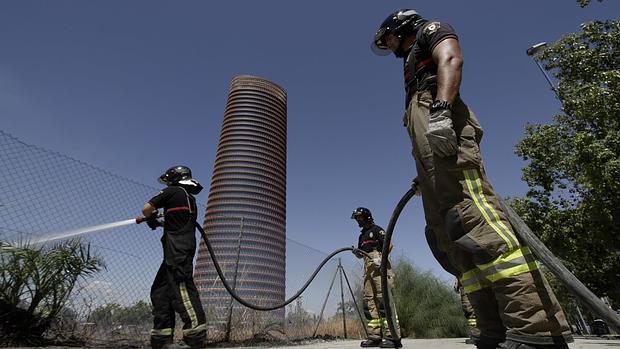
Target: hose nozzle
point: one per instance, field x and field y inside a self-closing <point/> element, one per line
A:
<point x="151" y="221"/>
<point x="156" y="214"/>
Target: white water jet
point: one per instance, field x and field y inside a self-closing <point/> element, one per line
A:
<point x="82" y="231"/>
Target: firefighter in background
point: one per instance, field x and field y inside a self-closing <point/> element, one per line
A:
<point x="173" y="289"/>
<point x="371" y="241"/>
<point x="468" y="312"/>
<point x="466" y="226"/>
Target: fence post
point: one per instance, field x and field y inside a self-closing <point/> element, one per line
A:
<point x="234" y="285"/>
<point x="344" y="315"/>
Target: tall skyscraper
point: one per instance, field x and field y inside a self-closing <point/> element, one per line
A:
<point x="245" y="218"/>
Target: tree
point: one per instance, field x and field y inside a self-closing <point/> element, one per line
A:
<point x="34" y="285"/>
<point x="349" y="308"/>
<point x="136" y="315"/>
<point x="573" y="202"/>
<point x="113" y="316"/>
<point x="297" y="316"/>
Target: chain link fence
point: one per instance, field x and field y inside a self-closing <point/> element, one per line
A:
<point x="45" y="193"/>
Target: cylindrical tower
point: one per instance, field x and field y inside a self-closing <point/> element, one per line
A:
<point x="245" y="218"/>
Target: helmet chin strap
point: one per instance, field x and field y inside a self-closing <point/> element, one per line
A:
<point x="366" y="223"/>
<point x="400" y="53"/>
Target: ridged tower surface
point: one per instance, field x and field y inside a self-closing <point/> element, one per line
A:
<point x="247" y="199"/>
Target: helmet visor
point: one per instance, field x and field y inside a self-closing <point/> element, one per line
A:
<point x="378" y="45"/>
<point x="163" y="179"/>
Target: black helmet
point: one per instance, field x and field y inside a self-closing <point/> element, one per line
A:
<point x="402" y="23"/>
<point x="175" y="174"/>
<point x="364" y="213"/>
<point x="181" y="176"/>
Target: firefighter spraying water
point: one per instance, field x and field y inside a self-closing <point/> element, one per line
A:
<point x="173" y="290"/>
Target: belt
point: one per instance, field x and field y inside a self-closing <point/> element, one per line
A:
<point x="180" y="208"/>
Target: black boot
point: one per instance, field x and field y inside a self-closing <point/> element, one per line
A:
<point x="391" y="343"/>
<point x="198" y="341"/>
<point x="489" y="343"/>
<point x="472" y="340"/>
<point x="370" y="343"/>
<point x="158" y="342"/>
<point x="510" y="344"/>
<point x="177" y="346"/>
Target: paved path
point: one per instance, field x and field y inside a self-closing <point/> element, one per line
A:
<point x="451" y="343"/>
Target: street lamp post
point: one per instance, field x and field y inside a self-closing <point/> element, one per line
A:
<point x="532" y="51"/>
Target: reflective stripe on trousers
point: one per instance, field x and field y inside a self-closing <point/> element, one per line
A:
<point x="161" y="332"/>
<point x="509" y="264"/>
<point x="491" y="217"/>
<point x="377" y="323"/>
<point x="187" y="304"/>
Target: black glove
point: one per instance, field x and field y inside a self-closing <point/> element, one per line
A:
<point x="152" y="221"/>
<point x="415" y="185"/>
<point x="357" y="253"/>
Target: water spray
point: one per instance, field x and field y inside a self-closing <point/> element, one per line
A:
<point x="4" y="246"/>
<point x="82" y="231"/>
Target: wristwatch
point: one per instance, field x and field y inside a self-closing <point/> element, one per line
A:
<point x="440" y="105"/>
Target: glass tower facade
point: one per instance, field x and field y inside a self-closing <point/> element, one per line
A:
<point x="245" y="218"/>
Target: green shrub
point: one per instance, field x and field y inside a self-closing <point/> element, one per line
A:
<point x="426" y="306"/>
<point x="34" y="285"/>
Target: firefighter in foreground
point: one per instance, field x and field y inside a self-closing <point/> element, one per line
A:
<point x="466" y="227"/>
<point x="371" y="242"/>
<point x="173" y="289"/>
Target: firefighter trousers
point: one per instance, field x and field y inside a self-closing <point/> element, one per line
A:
<point x="465" y="223"/>
<point x="374" y="308"/>
<point x="470" y="316"/>
<point x="170" y="294"/>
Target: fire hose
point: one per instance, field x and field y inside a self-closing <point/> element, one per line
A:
<point x="270" y="307"/>
<point x="588" y="298"/>
<point x="225" y="281"/>
<point x="388" y="300"/>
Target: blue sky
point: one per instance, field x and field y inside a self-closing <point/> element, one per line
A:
<point x="135" y="87"/>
